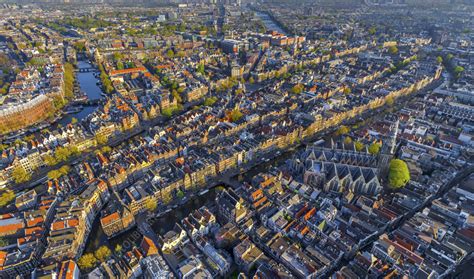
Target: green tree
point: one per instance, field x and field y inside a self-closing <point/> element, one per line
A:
<point x="120" y="65"/>
<point x="235" y="115"/>
<point x="20" y="175"/>
<point x="180" y="194"/>
<point x="398" y="175"/>
<point x="64" y="170"/>
<point x="170" y="53"/>
<point x="342" y="130"/>
<point x="100" y="139"/>
<point x="359" y="146"/>
<point x="439" y="59"/>
<point x="347" y="140"/>
<point x="458" y="70"/>
<point x="118" y="249"/>
<point x="210" y="101"/>
<point x="151" y="205"/>
<point x="297" y="89"/>
<point x="6" y="197"/>
<point x="106" y="149"/>
<point x="389" y="101"/>
<point x="251" y="80"/>
<point x="347" y="90"/>
<point x="393" y="49"/>
<point x="372" y="30"/>
<point x="87" y="261"/>
<point x="176" y="95"/>
<point x="54" y="174"/>
<point x="374" y="148"/>
<point x="49" y="160"/>
<point x="168" y="112"/>
<point x="103" y="253"/>
<point x="200" y="69"/>
<point x="73" y="120"/>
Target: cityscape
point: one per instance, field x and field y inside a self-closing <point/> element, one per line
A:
<point x="236" y="139"/>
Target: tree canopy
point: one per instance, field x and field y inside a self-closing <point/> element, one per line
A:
<point x="87" y="261"/>
<point x="235" y="115"/>
<point x="20" y="175"/>
<point x="359" y="145"/>
<point x="6" y="197"/>
<point x="399" y="174"/>
<point x="374" y="148"/>
<point x="342" y="130"/>
<point x="151" y="205"/>
<point x="103" y="253"/>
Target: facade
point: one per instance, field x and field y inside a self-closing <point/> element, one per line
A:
<point x="25" y="114"/>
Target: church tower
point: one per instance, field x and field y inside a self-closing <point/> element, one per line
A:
<point x="388" y="150"/>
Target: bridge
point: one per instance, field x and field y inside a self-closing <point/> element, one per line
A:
<point x="87" y="102"/>
<point x="87" y="70"/>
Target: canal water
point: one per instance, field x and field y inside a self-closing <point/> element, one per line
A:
<point x="270" y="24"/>
<point x="88" y="84"/>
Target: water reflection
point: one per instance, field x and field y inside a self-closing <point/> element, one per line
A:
<point x="88" y="84"/>
<point x="270" y="24"/>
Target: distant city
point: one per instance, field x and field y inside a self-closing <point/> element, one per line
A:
<point x="237" y="139"/>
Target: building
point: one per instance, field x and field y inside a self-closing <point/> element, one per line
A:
<point x="230" y="206"/>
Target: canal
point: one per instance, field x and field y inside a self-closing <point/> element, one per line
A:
<point x="162" y="225"/>
<point x="270" y="24"/>
<point x="87" y="84"/>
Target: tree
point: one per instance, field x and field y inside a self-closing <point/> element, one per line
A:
<point x="120" y="65"/>
<point x="49" y="160"/>
<point x="389" y="101"/>
<point x="73" y="120"/>
<point x="118" y="248"/>
<point x="64" y="170"/>
<point x="103" y="253"/>
<point x="180" y="194"/>
<point x="106" y="149"/>
<point x="200" y="69"/>
<point x="100" y="139"/>
<point x="347" y="90"/>
<point x="439" y="59"/>
<point x="6" y="197"/>
<point x="458" y="70"/>
<point x="251" y="80"/>
<point x="347" y="140"/>
<point x="87" y="261"/>
<point x="372" y="30"/>
<point x="342" y="130"/>
<point x="359" y="146"/>
<point x="151" y="205"/>
<point x="20" y="175"/>
<point x="374" y="148"/>
<point x="398" y="175"/>
<point x="297" y="89"/>
<point x="54" y="174"/>
<point x="170" y="53"/>
<point x="235" y="115"/>
<point x="210" y="101"/>
<point x="167" y="112"/>
<point x="393" y="49"/>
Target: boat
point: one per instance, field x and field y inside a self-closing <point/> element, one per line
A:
<point x="74" y="110"/>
